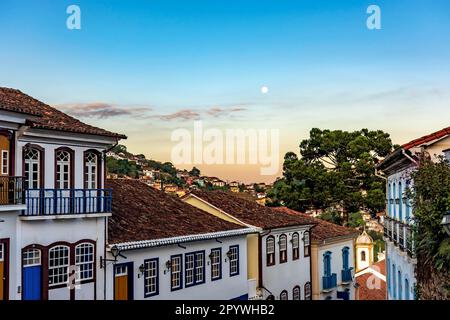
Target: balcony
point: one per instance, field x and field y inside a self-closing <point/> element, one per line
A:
<point x="11" y="191"/>
<point x="346" y="275"/>
<point x="329" y="282"/>
<point x="67" y="202"/>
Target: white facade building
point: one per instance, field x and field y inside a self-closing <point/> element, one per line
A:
<point x="171" y="250"/>
<point x="401" y="263"/>
<point x="279" y="262"/>
<point x="53" y="207"/>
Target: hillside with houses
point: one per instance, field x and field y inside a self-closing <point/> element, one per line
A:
<point x="165" y="176"/>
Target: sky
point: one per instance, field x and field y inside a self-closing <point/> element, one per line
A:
<point x="147" y="68"/>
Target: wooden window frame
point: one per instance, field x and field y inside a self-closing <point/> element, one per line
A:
<point x="270" y="257"/>
<point x="283" y="252"/>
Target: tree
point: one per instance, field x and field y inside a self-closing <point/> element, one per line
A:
<point x="195" y="172"/>
<point x="355" y="220"/>
<point x="431" y="200"/>
<point x="332" y="216"/>
<point x="336" y="169"/>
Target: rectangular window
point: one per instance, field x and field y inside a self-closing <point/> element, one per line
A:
<point x="175" y="272"/>
<point x="234" y="260"/>
<point x="5" y="161"/>
<point x="194" y="268"/>
<point x="295" y="247"/>
<point x="151" y="276"/>
<point x="84" y="261"/>
<point x="189" y="269"/>
<point x="216" y="264"/>
<point x="1" y="252"/>
<point x="199" y="267"/>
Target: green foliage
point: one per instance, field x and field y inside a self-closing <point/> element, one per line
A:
<point x="332" y="216"/>
<point x="337" y="169"/>
<point x="431" y="200"/>
<point x="355" y="220"/>
<point x="122" y="167"/>
<point x="195" y="172"/>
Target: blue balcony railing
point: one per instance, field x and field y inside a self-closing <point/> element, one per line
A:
<point x="329" y="282"/>
<point x="41" y="202"/>
<point x="347" y="275"/>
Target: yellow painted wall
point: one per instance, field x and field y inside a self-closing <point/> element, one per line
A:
<point x="252" y="256"/>
<point x="315" y="283"/>
<point x="205" y="207"/>
<point x="252" y="239"/>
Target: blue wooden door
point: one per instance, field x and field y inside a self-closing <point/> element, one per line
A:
<point x="32" y="275"/>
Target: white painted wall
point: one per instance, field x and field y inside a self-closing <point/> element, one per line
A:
<point x="336" y="267"/>
<point x="285" y="276"/>
<point x="359" y="262"/>
<point x="406" y="265"/>
<point x="224" y="289"/>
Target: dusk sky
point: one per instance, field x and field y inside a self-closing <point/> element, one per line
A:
<point x="146" y="68"/>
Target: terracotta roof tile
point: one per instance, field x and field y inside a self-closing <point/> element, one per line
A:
<point x="324" y="229"/>
<point x="367" y="283"/>
<point x="140" y="212"/>
<point x="47" y="117"/>
<point x="250" y="212"/>
<point x="367" y="288"/>
<point x="430" y="137"/>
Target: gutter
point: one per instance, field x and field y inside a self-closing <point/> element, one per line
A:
<point x="133" y="245"/>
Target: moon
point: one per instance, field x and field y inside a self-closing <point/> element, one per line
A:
<point x="264" y="89"/>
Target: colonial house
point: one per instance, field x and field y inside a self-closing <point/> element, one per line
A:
<point x="162" y="248"/>
<point x="332" y="259"/>
<point x="279" y="256"/>
<point x="397" y="167"/>
<point x="53" y="203"/>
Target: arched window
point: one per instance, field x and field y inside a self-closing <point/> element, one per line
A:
<point x="327" y="264"/>
<point x="394" y="205"/>
<point x="32" y="159"/>
<point x="63" y="169"/>
<point x="388" y="196"/>
<point x="84" y="261"/>
<point x="295" y="246"/>
<point x="283" y="295"/>
<point x="283" y="248"/>
<point x="400" y="196"/>
<point x="406" y="289"/>
<point x="345" y="258"/>
<point x="90" y="170"/>
<point x="306" y="243"/>
<point x="308" y="291"/>
<point x="399" y="279"/>
<point x="363" y="256"/>
<point x="394" y="283"/>
<point x="270" y="251"/>
<point x="388" y="275"/>
<point x="58" y="265"/>
<point x="296" y="293"/>
<point x="407" y="204"/>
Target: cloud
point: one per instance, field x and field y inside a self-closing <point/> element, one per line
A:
<point x="217" y="111"/>
<point x="186" y="114"/>
<point x="101" y="110"/>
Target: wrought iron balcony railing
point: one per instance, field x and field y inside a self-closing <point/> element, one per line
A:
<point x="40" y="202"/>
<point x="329" y="282"/>
<point x="12" y="191"/>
